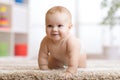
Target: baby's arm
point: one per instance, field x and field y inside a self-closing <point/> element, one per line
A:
<point x="43" y="61"/>
<point x="73" y="55"/>
<point x="73" y="62"/>
<point x="43" y="56"/>
<point x="76" y="58"/>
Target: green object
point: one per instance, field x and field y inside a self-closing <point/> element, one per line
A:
<point x="3" y="49"/>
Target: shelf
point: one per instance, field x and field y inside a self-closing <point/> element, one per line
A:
<point x="5" y="16"/>
<point x="13" y="28"/>
<point x="5" y="42"/>
<point x="4" y="29"/>
<point x="5" y="1"/>
<point x="20" y="38"/>
<point x="21" y="43"/>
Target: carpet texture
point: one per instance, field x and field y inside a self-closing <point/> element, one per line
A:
<point x="28" y="70"/>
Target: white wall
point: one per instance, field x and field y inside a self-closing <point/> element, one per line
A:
<point x="93" y="35"/>
<point x="38" y="8"/>
<point x="90" y="15"/>
<point x="86" y="21"/>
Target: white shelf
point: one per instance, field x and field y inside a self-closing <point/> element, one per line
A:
<point x="17" y="31"/>
<point x="6" y="1"/>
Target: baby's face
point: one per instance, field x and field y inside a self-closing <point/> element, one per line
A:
<point x="57" y="26"/>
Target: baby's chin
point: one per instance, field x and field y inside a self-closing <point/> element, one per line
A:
<point x="56" y="39"/>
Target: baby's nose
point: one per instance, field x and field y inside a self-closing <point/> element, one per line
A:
<point x="55" y="28"/>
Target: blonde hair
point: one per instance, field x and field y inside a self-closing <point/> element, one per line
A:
<point x="59" y="9"/>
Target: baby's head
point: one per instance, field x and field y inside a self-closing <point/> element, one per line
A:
<point x="58" y="23"/>
<point x="60" y="11"/>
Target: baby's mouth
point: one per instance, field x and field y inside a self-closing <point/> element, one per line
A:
<point x="55" y="34"/>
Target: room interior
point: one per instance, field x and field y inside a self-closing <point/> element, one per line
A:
<point x="22" y="30"/>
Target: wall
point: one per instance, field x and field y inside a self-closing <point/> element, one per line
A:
<point x="86" y="17"/>
<point x="38" y="9"/>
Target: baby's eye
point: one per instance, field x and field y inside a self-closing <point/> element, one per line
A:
<point x="50" y="26"/>
<point x="60" y="25"/>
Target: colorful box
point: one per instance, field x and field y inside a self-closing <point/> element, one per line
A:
<point x="20" y="49"/>
<point x="19" y="1"/>
<point x="3" y="49"/>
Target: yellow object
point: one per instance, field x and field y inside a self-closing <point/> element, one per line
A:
<point x="3" y="9"/>
<point x="4" y="22"/>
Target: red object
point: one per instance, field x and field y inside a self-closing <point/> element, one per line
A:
<point x="21" y="50"/>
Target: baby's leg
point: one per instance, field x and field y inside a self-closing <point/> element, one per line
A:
<point x="53" y="63"/>
<point x="82" y="61"/>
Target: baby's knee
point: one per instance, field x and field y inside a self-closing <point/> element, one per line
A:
<point x="83" y="61"/>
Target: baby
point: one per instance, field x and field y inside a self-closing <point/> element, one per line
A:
<point x="59" y="48"/>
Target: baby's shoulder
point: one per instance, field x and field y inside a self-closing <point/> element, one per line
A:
<point x="45" y="40"/>
<point x="73" y="39"/>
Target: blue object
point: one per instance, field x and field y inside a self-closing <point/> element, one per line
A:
<point x="19" y="1"/>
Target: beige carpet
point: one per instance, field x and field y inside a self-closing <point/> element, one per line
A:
<point x="25" y="69"/>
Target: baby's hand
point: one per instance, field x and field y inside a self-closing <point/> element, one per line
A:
<point x="44" y="67"/>
<point x="67" y="75"/>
